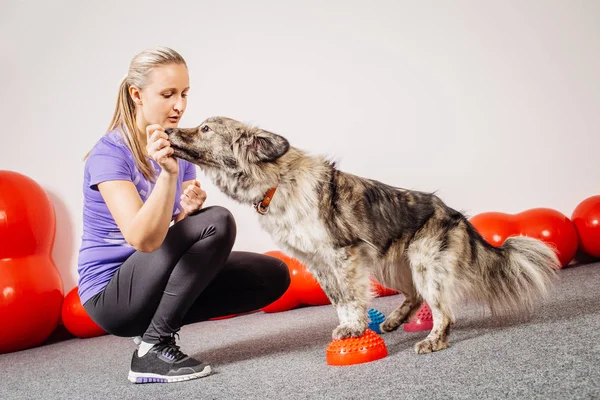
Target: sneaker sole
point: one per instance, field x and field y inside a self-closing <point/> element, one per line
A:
<point x="140" y="377"/>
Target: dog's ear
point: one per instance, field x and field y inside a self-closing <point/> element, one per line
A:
<point x="266" y="146"/>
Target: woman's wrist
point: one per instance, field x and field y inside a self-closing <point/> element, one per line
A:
<point x="166" y="175"/>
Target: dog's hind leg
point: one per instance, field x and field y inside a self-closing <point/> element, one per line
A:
<point x="438" y="337"/>
<point x="408" y="308"/>
<point x="400" y="277"/>
<point x="431" y="276"/>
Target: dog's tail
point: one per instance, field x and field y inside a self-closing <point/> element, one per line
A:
<point x="514" y="276"/>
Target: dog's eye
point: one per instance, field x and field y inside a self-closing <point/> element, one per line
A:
<point x="205" y="128"/>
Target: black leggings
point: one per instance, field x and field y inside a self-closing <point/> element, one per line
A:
<point x="192" y="277"/>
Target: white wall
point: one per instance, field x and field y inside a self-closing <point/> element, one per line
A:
<point x="494" y="104"/>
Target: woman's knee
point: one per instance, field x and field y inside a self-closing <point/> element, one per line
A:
<point x="115" y="323"/>
<point x="277" y="274"/>
<point x="220" y="223"/>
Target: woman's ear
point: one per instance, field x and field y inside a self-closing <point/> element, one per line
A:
<point x="136" y="95"/>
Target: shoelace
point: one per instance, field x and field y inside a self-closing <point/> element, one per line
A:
<point x="170" y="350"/>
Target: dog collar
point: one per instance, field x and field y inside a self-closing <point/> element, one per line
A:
<point x="262" y="207"/>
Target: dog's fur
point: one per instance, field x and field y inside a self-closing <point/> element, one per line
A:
<point x="346" y="228"/>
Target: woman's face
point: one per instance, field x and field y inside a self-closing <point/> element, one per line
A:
<point x="164" y="99"/>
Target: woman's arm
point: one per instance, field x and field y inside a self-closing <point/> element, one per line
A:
<point x="144" y="225"/>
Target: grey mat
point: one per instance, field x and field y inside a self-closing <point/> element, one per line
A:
<point x="555" y="354"/>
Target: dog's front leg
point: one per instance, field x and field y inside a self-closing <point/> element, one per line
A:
<point x="353" y="319"/>
<point x="346" y="283"/>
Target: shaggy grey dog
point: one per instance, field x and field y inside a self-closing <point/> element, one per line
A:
<point x="346" y="228"/>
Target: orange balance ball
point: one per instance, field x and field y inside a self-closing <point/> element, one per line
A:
<point x="586" y="218"/>
<point x="356" y="350"/>
<point x="76" y="319"/>
<point x="546" y="224"/>
<point x="31" y="289"/>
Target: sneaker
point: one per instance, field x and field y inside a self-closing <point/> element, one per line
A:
<point x="165" y="363"/>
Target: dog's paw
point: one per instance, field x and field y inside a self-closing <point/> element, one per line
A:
<point x="346" y="331"/>
<point x="430" y="345"/>
<point x="388" y="326"/>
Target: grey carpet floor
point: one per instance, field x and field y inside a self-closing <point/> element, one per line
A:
<point x="555" y="354"/>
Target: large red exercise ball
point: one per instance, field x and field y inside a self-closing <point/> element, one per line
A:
<point x="287" y="300"/>
<point x="546" y="224"/>
<point x="76" y="319"/>
<point x="303" y="290"/>
<point x="381" y="291"/>
<point x="586" y="218"/>
<point x="31" y="289"/>
<point x="307" y="288"/>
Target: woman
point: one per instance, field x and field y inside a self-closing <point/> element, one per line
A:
<point x="152" y="259"/>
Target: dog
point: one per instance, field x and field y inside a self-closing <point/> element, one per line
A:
<point x="346" y="228"/>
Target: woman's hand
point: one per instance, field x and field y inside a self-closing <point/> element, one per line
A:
<point x="159" y="149"/>
<point x="192" y="198"/>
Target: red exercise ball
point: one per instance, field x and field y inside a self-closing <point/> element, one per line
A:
<point x="546" y="224"/>
<point x="308" y="290"/>
<point x="586" y="218"/>
<point x="31" y="289"/>
<point x="76" y="319"/>
<point x="303" y="290"/>
<point x="288" y="300"/>
<point x="223" y="317"/>
<point x="380" y="291"/>
<point x="495" y="227"/>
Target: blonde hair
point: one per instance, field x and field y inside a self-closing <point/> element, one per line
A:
<point x="124" y="116"/>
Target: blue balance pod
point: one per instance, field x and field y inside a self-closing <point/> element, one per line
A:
<point x="375" y="318"/>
